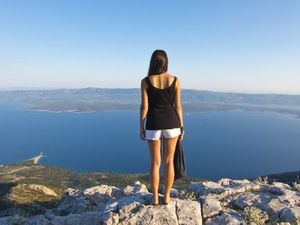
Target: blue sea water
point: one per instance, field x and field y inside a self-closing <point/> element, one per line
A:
<point x="234" y="144"/>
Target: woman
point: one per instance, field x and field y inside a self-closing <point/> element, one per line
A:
<point x="161" y="108"/>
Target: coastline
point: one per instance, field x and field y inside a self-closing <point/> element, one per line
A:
<point x="245" y="108"/>
<point x="288" y="176"/>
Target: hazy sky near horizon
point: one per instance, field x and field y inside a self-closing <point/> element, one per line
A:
<point x="233" y="45"/>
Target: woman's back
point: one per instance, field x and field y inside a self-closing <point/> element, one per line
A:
<point x="161" y="96"/>
<point x="161" y="81"/>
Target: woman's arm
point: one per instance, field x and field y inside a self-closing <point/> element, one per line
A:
<point x="177" y="102"/>
<point x="143" y="109"/>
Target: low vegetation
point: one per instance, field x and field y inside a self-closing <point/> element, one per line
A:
<point x="296" y="186"/>
<point x="254" y="215"/>
<point x="190" y="195"/>
<point x="263" y="180"/>
<point x="28" y="189"/>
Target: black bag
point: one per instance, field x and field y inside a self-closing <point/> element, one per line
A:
<point x="179" y="161"/>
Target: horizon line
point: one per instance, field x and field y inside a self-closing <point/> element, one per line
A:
<point x="26" y="88"/>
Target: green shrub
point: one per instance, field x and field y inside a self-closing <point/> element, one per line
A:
<point x="190" y="195"/>
<point x="255" y="215"/>
<point x="263" y="180"/>
<point x="296" y="186"/>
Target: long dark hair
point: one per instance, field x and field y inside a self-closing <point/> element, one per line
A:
<point x="158" y="63"/>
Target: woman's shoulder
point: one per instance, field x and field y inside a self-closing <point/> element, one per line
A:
<point x="173" y="76"/>
<point x="144" y="81"/>
<point x="177" y="82"/>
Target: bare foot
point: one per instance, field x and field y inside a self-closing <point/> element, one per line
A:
<point x="155" y="200"/>
<point x="167" y="198"/>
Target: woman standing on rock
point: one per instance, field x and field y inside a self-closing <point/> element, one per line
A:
<point x="161" y="108"/>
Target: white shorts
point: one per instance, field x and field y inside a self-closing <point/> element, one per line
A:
<point x="157" y="134"/>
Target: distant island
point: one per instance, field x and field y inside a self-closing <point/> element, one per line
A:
<point x="87" y="100"/>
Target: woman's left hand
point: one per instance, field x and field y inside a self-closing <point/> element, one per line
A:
<point x="181" y="133"/>
<point x="142" y="134"/>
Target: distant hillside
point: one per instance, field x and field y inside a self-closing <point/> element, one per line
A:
<point x="99" y="99"/>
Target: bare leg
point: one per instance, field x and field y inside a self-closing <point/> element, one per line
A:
<point x="169" y="145"/>
<point x="154" y="148"/>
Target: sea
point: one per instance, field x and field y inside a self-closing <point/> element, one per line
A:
<point x="223" y="144"/>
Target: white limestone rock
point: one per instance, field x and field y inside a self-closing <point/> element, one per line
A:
<point x="73" y="202"/>
<point x="227" y="217"/>
<point x="188" y="212"/>
<point x="136" y="188"/>
<point x="5" y="220"/>
<point x="221" y="202"/>
<point x="38" y="220"/>
<point x="291" y="215"/>
<point x="205" y="187"/>
<point x="86" y="218"/>
<point x="210" y="207"/>
<point x="231" y="182"/>
<point x="174" y="192"/>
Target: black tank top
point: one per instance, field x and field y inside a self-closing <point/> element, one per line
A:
<point x="161" y="113"/>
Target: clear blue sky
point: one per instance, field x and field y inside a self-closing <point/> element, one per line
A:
<point x="226" y="45"/>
